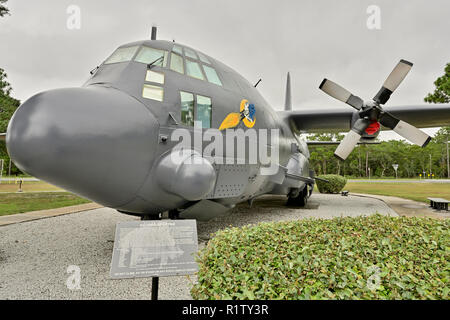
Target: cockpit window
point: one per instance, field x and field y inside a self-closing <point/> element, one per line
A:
<point x="212" y="76"/>
<point x="187" y="108"/>
<point x="153" y="92"/>
<point x="193" y="70"/>
<point x="177" y="49"/>
<point x="156" y="77"/>
<point x="148" y="55"/>
<point x="122" y="55"/>
<point x="203" y="58"/>
<point x="204" y="111"/>
<point x="190" y="53"/>
<point x="176" y="63"/>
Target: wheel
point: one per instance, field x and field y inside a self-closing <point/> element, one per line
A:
<point x="151" y="216"/>
<point x="174" y="214"/>
<point x="301" y="199"/>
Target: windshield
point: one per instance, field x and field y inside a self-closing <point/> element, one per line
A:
<point x="122" y="55"/>
<point x="150" y="55"/>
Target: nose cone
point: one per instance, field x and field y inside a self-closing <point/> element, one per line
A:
<point x="97" y="142"/>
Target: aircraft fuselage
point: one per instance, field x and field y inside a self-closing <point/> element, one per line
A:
<point x="111" y="140"/>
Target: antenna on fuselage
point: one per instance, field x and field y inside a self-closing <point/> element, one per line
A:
<point x="288" y="101"/>
<point x="154" y="30"/>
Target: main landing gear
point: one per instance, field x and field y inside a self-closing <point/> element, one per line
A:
<point x="299" y="198"/>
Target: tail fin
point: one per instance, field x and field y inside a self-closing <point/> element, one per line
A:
<point x="288" y="101"/>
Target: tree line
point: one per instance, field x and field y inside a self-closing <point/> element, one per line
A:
<point x="377" y="160"/>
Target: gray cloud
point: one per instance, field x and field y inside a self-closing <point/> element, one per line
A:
<point x="311" y="39"/>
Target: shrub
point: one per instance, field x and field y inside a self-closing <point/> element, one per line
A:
<point x="335" y="185"/>
<point x="373" y="257"/>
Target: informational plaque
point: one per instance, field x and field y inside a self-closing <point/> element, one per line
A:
<point x="154" y="248"/>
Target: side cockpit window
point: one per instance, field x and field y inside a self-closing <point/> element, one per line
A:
<point x="195" y="107"/>
<point x="187" y="108"/>
<point x="204" y="111"/>
<point x="122" y="55"/>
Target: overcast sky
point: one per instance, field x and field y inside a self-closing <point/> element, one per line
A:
<point x="312" y="39"/>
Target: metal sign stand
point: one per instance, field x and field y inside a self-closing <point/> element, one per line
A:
<point x="395" y="166"/>
<point x="155" y="285"/>
<point x="155" y="280"/>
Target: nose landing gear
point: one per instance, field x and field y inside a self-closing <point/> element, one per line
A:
<point x="174" y="214"/>
<point x="151" y="216"/>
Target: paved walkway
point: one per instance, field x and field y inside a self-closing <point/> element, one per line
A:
<point x="409" y="208"/>
<point x="41" y="214"/>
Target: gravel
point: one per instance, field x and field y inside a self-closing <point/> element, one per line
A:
<point x="35" y="255"/>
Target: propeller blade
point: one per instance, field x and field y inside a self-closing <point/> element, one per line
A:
<point x="393" y="81"/>
<point x="351" y="139"/>
<point x="404" y="129"/>
<point x="341" y="94"/>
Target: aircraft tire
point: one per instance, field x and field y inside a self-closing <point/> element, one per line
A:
<point x="151" y="216"/>
<point x="174" y="214"/>
<point x="301" y="200"/>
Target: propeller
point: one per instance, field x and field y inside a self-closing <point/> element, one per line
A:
<point x="370" y="112"/>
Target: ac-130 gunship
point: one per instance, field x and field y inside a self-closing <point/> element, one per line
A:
<point x="111" y="139"/>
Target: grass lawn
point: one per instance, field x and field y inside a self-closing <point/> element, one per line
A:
<point x="413" y="191"/>
<point x="28" y="186"/>
<point x="11" y="203"/>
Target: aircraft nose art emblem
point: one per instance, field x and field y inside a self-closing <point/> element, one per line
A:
<point x="246" y="114"/>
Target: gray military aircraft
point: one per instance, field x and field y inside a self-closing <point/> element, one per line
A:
<point x="111" y="139"/>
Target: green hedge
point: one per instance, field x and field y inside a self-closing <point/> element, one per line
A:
<point x="335" y="185"/>
<point x="340" y="258"/>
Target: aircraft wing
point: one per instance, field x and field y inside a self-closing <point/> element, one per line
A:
<point x="340" y="119"/>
